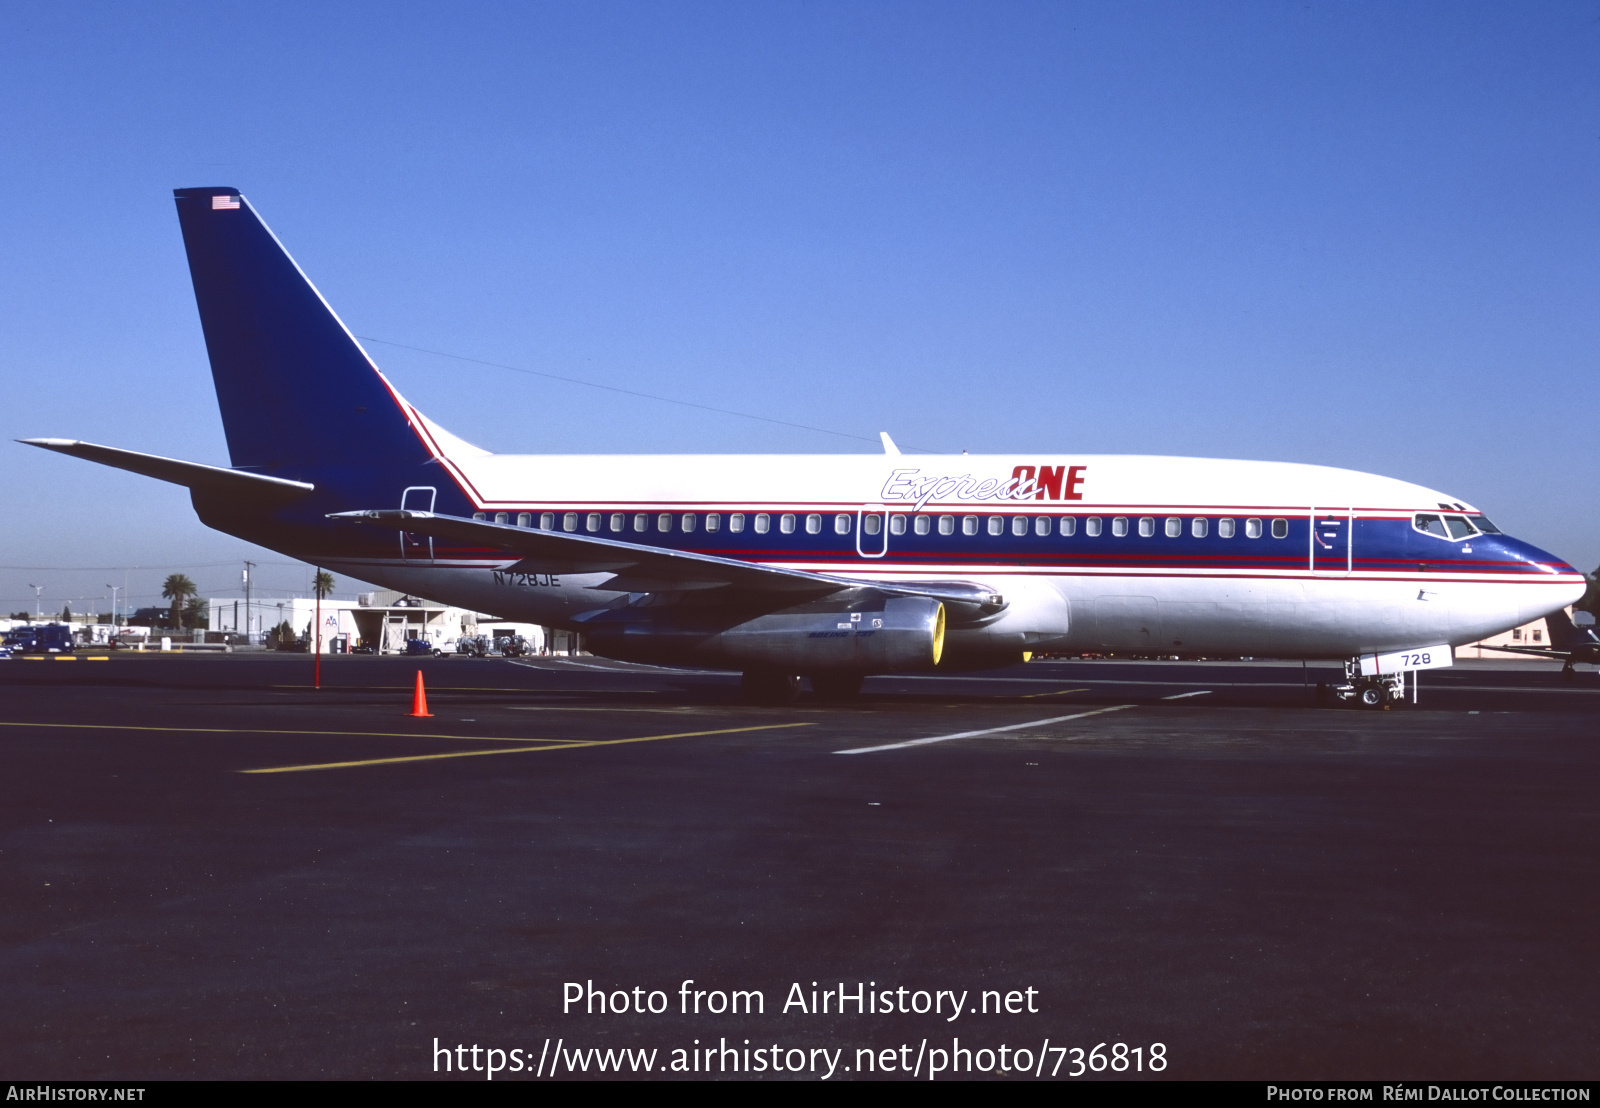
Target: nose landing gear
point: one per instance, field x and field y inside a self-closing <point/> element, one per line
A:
<point x="1373" y="696"/>
<point x="1375" y="693"/>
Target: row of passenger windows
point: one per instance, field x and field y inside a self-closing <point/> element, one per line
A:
<point x="842" y="523"/>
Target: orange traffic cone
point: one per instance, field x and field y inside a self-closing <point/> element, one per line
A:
<point x="419" y="699"/>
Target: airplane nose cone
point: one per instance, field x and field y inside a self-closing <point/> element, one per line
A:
<point x="1555" y="583"/>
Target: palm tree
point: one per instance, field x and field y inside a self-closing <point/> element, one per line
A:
<point x="178" y="588"/>
<point x="1591" y="598"/>
<point x="322" y="584"/>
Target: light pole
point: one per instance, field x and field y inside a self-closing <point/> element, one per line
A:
<point x="316" y="666"/>
<point x="113" y="589"/>
<point x="38" y="607"/>
<point x="248" y="623"/>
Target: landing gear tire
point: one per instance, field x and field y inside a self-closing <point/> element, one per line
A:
<point x="769" y="688"/>
<point x="835" y="687"/>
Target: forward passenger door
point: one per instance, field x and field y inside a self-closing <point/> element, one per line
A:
<point x="1331" y="542"/>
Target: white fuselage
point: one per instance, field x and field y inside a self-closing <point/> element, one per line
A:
<point x="1218" y="557"/>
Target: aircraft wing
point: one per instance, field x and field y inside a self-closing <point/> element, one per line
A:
<point x="640" y="568"/>
<point x="191" y="475"/>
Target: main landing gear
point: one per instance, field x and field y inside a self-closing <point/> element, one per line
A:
<point x="767" y="687"/>
<point x="836" y="687"/>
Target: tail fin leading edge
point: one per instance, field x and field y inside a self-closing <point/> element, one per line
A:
<point x="296" y="390"/>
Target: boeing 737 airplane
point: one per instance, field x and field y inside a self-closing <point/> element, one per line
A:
<point x="830" y="567"/>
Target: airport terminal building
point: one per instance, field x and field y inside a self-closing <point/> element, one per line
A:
<point x="383" y="619"/>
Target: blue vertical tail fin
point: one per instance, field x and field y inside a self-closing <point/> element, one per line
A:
<point x="297" y="392"/>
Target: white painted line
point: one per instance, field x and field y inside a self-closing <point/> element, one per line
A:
<point x="675" y="669"/>
<point x="985" y="731"/>
<point x="547" y="663"/>
<point x="1180" y="696"/>
<point x="620" y="667"/>
<point x="1078" y="680"/>
<point x="1454" y="683"/>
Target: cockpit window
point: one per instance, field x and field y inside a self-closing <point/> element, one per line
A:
<point x="1445" y="527"/>
<point x="1430" y="525"/>
<point x="1485" y="526"/>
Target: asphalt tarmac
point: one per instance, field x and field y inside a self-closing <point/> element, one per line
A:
<point x="211" y="870"/>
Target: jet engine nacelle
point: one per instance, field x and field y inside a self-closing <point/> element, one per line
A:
<point x="902" y="635"/>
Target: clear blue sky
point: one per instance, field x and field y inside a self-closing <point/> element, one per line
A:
<point x="1357" y="234"/>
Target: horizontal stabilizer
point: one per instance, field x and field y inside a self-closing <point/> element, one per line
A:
<point x="191" y="475"/>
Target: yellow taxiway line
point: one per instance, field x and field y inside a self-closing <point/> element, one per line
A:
<point x="65" y="657"/>
<point x="444" y="689"/>
<point x="276" y="731"/>
<point x="564" y="745"/>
